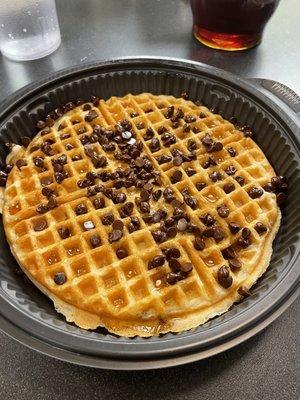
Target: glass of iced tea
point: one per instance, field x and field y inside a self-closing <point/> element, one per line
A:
<point x="231" y="24"/>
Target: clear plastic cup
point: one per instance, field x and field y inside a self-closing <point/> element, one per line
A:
<point x="28" y="29"/>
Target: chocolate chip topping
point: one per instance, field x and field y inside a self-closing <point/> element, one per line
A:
<point x="108" y="219"/>
<point x="255" y="192"/>
<point x="228" y="188"/>
<point x="216" y="176"/>
<point x="118" y="225"/>
<point x="260" y="228"/>
<point x="199" y="243"/>
<point x="60" y="278"/>
<point x="95" y="240"/>
<point x="40" y="225"/>
<point x="223" y="211"/>
<point x="121" y="253"/>
<point x="80" y="209"/>
<point x="176" y="176"/>
<point x="243" y="291"/>
<point x="234" y="264"/>
<point x="115" y="235"/>
<point x="157" y="261"/>
<point x="230" y="170"/>
<point x="171" y="252"/>
<point x="64" y="233"/>
<point x="207" y="220"/>
<point x="200" y="185"/>
<point x="234" y="228"/>
<point x="240" y="180"/>
<point x="21" y="163"/>
<point x="99" y="202"/>
<point x="174" y="264"/>
<point x="42" y="208"/>
<point x="224" y="277"/>
<point x="231" y="151"/>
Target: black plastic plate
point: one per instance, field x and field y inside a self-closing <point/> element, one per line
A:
<point x="29" y="317"/>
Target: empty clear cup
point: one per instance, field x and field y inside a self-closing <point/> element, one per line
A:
<point x="28" y="29"/>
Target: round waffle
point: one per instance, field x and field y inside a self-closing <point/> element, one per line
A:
<point x="144" y="214"/>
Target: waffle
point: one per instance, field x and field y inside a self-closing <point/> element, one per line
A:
<point x="156" y="276"/>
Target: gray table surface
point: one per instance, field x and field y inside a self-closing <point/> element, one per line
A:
<point x="266" y="366"/>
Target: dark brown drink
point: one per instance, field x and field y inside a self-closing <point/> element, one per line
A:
<point x="231" y="24"/>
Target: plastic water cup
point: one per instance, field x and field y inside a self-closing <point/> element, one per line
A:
<point x="29" y="29"/>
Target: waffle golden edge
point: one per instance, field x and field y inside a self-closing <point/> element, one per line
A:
<point x="143" y="214"/>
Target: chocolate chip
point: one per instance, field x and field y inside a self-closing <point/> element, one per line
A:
<point x="157" y="195"/>
<point x="184" y="95"/>
<point x="80" y="209"/>
<point x="52" y="202"/>
<point x="25" y="140"/>
<point x="121" y="253"/>
<point x="209" y="163"/>
<point x="126" y="209"/>
<point x="47" y="192"/>
<point x="207" y="220"/>
<point x="240" y="180"/>
<point x="228" y="187"/>
<point x="186" y="268"/>
<point x="230" y="170"/>
<point x="145" y="207"/>
<point x="209" y="232"/>
<point x="202" y="115"/>
<point x="186" y="128"/>
<point x="88" y="225"/>
<point x="108" y="219"/>
<point x="91" y="115"/>
<point x="99" y="202"/>
<point x="223" y="211"/>
<point x="231" y="151"/>
<point x="234" y="228"/>
<point x="21" y="163"/>
<point x="163" y="159"/>
<point x="60" y="278"/>
<point x="171" y="252"/>
<point x="64" y="136"/>
<point x="217" y="146"/>
<point x="234" y="264"/>
<point x="216" y="176"/>
<point x="159" y="236"/>
<point x="95" y="100"/>
<point x="95" y="240"/>
<point x="174" y="264"/>
<point x="120" y="198"/>
<point x="189" y="119"/>
<point x="40" y="125"/>
<point x="171" y="232"/>
<point x="243" y="291"/>
<point x="207" y="140"/>
<point x="40" y="225"/>
<point x="140" y="125"/>
<point x="170" y="112"/>
<point x="191" y="145"/>
<point x="172" y="278"/>
<point x="260" y="228"/>
<point x="176" y="176"/>
<point x="191" y="202"/>
<point x="64" y="233"/>
<point x="190" y="171"/>
<point x="218" y="234"/>
<point x="246" y="233"/>
<point x="154" y="145"/>
<point x="144" y="195"/>
<point x="118" y="225"/>
<point x="200" y="185"/>
<point x="115" y="236"/>
<point x="224" y="277"/>
<point x="199" y="243"/>
<point x="42" y="208"/>
<point x="281" y="198"/>
<point x="157" y="261"/>
<point x="255" y="192"/>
